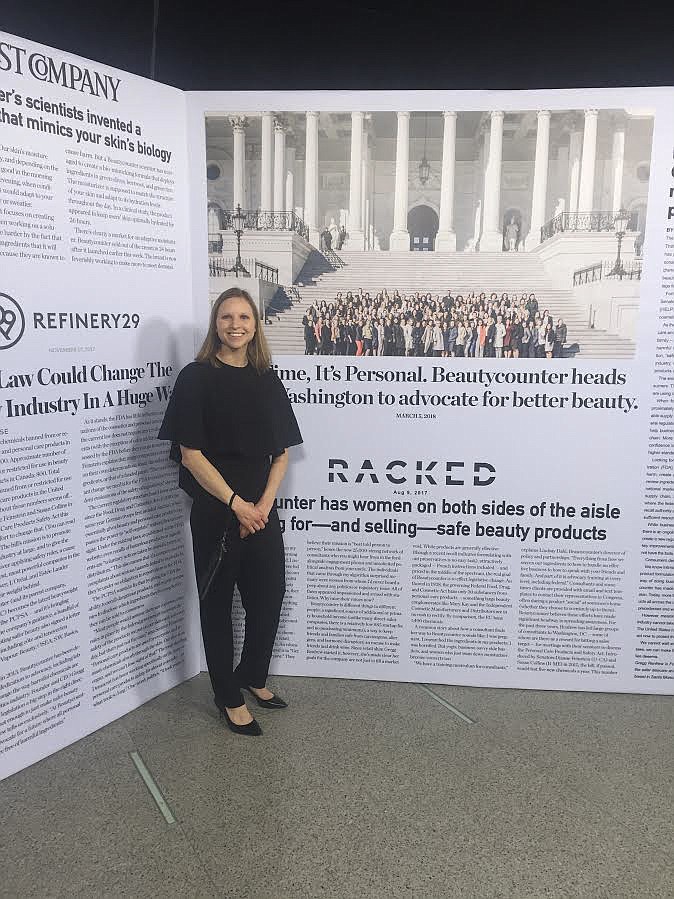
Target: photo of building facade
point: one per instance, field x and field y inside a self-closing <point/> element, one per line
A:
<point x="545" y="201"/>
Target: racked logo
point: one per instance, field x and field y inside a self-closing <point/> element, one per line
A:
<point x="12" y="322"/>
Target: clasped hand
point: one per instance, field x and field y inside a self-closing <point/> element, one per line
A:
<point x="252" y="517"/>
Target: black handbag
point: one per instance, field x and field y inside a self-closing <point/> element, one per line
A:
<point x="221" y="550"/>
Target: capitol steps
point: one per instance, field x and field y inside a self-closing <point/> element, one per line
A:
<point x="436" y="273"/>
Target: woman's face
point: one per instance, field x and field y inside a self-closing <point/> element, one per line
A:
<point x="235" y="323"/>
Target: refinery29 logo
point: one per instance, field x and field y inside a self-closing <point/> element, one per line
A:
<point x="12" y="322"/>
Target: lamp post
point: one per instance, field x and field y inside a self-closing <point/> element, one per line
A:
<point x="620" y="222"/>
<point x="238" y="220"/>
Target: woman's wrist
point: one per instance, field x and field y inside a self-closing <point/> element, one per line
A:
<point x="232" y="499"/>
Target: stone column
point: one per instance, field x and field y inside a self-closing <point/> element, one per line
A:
<point x="372" y="240"/>
<point x="239" y="124"/>
<point x="575" y="149"/>
<point x="586" y="189"/>
<point x="280" y="128"/>
<point x="540" y="188"/>
<point x="473" y="243"/>
<point x="492" y="233"/>
<point x="618" y="157"/>
<point x="365" y="199"/>
<point x="266" y="163"/>
<point x="446" y="239"/>
<point x="311" y="178"/>
<point x="400" y="238"/>
<point x="253" y="175"/>
<point x="355" y="226"/>
<point x="290" y="176"/>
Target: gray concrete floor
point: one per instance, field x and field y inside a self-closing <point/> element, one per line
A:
<point x="360" y="789"/>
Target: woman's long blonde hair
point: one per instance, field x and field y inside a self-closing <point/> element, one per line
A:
<point x="257" y="350"/>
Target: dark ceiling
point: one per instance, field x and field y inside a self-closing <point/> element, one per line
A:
<point x="330" y="44"/>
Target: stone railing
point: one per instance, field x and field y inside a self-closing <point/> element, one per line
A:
<point x="259" y="220"/>
<point x="630" y="271"/>
<point x="215" y="243"/>
<point x="333" y="259"/>
<point x="581" y="221"/>
<point x="219" y="266"/>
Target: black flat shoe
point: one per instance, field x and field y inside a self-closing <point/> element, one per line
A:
<point x="274" y="703"/>
<point x="252" y="729"/>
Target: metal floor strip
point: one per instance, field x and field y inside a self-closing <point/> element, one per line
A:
<point x="447" y="705"/>
<point x="155" y="792"/>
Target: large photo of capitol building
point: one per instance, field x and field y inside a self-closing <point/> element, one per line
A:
<point x="455" y="234"/>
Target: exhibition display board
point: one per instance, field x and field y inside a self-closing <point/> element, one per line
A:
<point x="484" y="521"/>
<point x="95" y="614"/>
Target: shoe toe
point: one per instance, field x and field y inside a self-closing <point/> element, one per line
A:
<point x="276" y="702"/>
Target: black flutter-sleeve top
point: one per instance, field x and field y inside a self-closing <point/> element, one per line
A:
<point x="239" y="419"/>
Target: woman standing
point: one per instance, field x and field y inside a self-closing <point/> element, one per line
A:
<point x="340" y="345"/>
<point x="230" y="423"/>
<point x="489" y="349"/>
<point x="549" y="339"/>
<point x="533" y="341"/>
<point x="350" y="337"/>
<point x="461" y="333"/>
<point x="417" y="339"/>
<point x="335" y="336"/>
<point x="438" y="339"/>
<point x="516" y="331"/>
<point x="471" y="338"/>
<point x="481" y="338"/>
<point x="309" y="336"/>
<point x="368" y="333"/>
<point x="450" y="338"/>
<point x="359" y="337"/>
<point x="507" y="339"/>
<point x="380" y="337"/>
<point x="407" y="331"/>
<point x="542" y="331"/>
<point x="326" y="345"/>
<point x="427" y="338"/>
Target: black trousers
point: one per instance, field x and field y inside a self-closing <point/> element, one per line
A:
<point x="256" y="565"/>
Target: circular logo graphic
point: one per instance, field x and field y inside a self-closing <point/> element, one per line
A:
<point x="12" y="322"/>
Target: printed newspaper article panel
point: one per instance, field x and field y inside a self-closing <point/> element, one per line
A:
<point x="468" y="304"/>
<point x="94" y="325"/>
